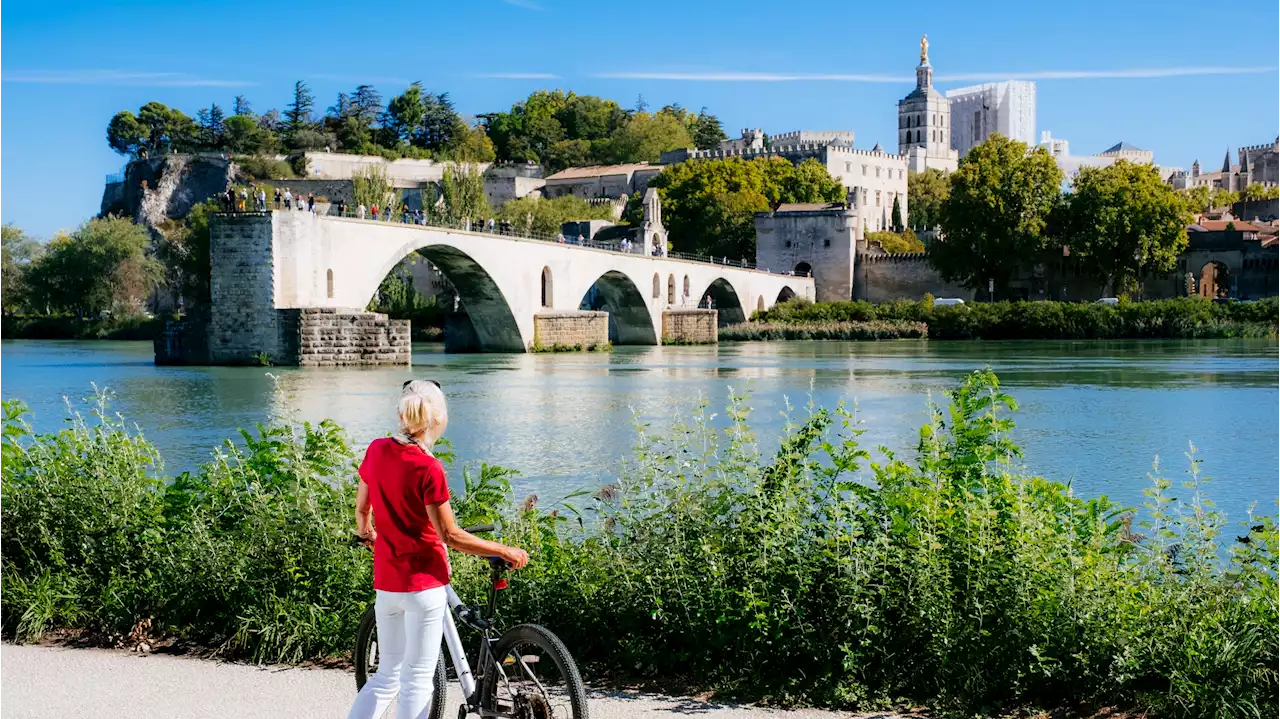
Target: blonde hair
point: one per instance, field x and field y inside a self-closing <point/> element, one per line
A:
<point x="423" y="412"/>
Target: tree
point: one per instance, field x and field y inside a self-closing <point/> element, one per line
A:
<point x="1196" y="199"/>
<point x="297" y="116"/>
<point x="441" y="125"/>
<point x="183" y="251"/>
<point x="462" y="191"/>
<point x="18" y="251"/>
<point x="645" y="137"/>
<point x="895" y="219"/>
<point x="926" y="192"/>
<point x="403" y="118"/>
<point x="372" y="188"/>
<point x="545" y="216"/>
<point x="244" y="136"/>
<point x="1258" y="191"/>
<point x="709" y="206"/>
<point x="471" y="146"/>
<point x="1223" y="198"/>
<point x="240" y="106"/>
<point x="100" y="267"/>
<point x="994" y="219"/>
<point x="706" y="131"/>
<point x="897" y="243"/>
<point x="155" y="130"/>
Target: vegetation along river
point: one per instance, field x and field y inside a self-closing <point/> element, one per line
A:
<point x="1092" y="413"/>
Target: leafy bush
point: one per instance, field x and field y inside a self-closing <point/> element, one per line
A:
<point x="896" y="243"/>
<point x="258" y="167"/>
<point x="59" y="327"/>
<point x="1189" y="317"/>
<point x="873" y="330"/>
<point x="949" y="580"/>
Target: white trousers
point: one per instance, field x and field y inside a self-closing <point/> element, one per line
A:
<point x="410" y="625"/>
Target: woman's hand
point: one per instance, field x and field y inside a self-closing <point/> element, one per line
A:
<point x="514" y="556"/>
<point x="368" y="532"/>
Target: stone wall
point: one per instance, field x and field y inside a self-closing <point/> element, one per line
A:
<point x="570" y="328"/>
<point x="242" y="290"/>
<point x="690" y="327"/>
<point x="884" y="277"/>
<point x="183" y="342"/>
<point x="822" y="239"/>
<point x="327" y="337"/>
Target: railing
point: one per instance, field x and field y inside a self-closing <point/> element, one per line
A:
<point x="504" y="230"/>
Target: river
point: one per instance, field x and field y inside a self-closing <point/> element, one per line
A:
<point x="1092" y="413"/>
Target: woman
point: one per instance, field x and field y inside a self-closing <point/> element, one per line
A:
<point x="402" y="506"/>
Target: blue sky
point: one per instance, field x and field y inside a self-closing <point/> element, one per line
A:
<point x="1184" y="79"/>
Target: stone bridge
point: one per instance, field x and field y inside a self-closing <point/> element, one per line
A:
<point x="267" y="267"/>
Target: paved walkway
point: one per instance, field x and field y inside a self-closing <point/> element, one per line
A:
<point x="41" y="682"/>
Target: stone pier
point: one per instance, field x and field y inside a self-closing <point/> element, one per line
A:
<point x="582" y="328"/>
<point x="690" y="327"/>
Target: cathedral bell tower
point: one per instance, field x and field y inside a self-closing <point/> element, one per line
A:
<point x="924" y="122"/>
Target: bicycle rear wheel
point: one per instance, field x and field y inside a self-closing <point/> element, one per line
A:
<point x="366" y="661"/>
<point x="534" y="678"/>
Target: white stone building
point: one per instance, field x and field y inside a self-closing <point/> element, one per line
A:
<point x="601" y="181"/>
<point x="1008" y="108"/>
<point x="924" y="122"/>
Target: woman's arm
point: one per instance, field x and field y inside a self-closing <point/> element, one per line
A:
<point x="453" y="536"/>
<point x="364" y="513"/>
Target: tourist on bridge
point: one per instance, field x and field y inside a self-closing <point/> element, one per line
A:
<point x="277" y="198"/>
<point x="373" y="211"/>
<point x="360" y="210"/>
<point x="311" y="201"/>
<point x="288" y="199"/>
<point x="342" y="208"/>
<point x="402" y="508"/>
<point x="490" y="224"/>
<point x="262" y="200"/>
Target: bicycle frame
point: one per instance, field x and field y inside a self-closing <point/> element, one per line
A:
<point x="456" y="652"/>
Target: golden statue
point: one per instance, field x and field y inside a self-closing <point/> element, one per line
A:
<point x="924" y="49"/>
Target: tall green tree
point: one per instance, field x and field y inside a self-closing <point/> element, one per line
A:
<point x="102" y="266"/>
<point x="297" y="116"/>
<point x="183" y="251"/>
<point x="155" y="130"/>
<point x="1258" y="191"/>
<point x="994" y="220"/>
<point x="895" y="219"/>
<point x="403" y="118"/>
<point x="17" y="252"/>
<point x="441" y="126"/>
<point x="1196" y="199"/>
<point x="644" y="137"/>
<point x="709" y="206"/>
<point x="706" y="130"/>
<point x="241" y="106"/>
<point x="545" y="216"/>
<point x="926" y="191"/>
<point x="1125" y="223"/>
<point x="462" y="192"/>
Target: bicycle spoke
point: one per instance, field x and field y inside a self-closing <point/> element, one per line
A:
<point x="530" y="686"/>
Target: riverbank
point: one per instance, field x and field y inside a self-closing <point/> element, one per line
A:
<point x="1184" y="318"/>
<point x="65" y="327"/>
<point x="714" y="568"/>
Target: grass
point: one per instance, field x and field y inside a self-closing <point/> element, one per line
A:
<point x="811" y="574"/>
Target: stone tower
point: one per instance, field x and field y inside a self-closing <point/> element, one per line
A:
<point x="652" y="232"/>
<point x="924" y="122"/>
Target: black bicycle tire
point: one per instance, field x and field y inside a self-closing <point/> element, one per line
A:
<point x="542" y="638"/>
<point x="364" y="634"/>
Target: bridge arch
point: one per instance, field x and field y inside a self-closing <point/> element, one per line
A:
<point x="785" y="294"/>
<point x="629" y="320"/>
<point x="492" y="320"/>
<point x="725" y="300"/>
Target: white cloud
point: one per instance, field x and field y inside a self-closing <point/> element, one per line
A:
<point x="526" y="4"/>
<point x="968" y="76"/>
<point x="1136" y="73"/>
<point x="117" y="77"/>
<point x="518" y="76"/>
<point x="748" y="77"/>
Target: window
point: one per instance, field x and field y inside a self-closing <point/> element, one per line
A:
<point x="657" y="286"/>
<point x="918" y="136"/>
<point x="788" y="243"/>
<point x="864" y="167"/>
<point x="686" y="285"/>
<point x="877" y="198"/>
<point x="977" y="126"/>
<point x="877" y="172"/>
<point x="901" y="173"/>
<point x="328" y="276"/>
<point x="546" y="286"/>
<point x="671" y="289"/>
<point x="826" y="243"/>
<point x="848" y="167"/>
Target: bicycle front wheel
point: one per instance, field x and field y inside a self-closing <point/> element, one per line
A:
<point x="533" y="676"/>
<point x="366" y="661"/>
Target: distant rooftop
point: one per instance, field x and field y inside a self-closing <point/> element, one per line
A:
<point x="809" y="206"/>
<point x="1122" y="147"/>
<point x="577" y="173"/>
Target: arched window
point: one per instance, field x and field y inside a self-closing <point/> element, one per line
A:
<point x="760" y="303"/>
<point x="686" y="285"/>
<point x="918" y="136"/>
<point x="546" y="287"/>
<point x="671" y="289"/>
<point x="328" y="276"/>
<point x="657" y="286"/>
<point x="804" y="269"/>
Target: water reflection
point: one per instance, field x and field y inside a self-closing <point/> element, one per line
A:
<point x="1094" y="413"/>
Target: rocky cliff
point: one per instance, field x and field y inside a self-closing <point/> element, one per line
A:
<point x="166" y="188"/>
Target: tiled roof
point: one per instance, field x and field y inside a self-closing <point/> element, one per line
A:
<point x="1221" y="225"/>
<point x="1122" y="147"/>
<point x="579" y="173"/>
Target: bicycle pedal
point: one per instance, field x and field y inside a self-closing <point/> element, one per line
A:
<point x="462" y="711"/>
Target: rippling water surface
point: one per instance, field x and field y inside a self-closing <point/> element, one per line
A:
<point x="1092" y="413"/>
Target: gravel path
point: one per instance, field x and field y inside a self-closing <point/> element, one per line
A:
<point x="43" y="682"/>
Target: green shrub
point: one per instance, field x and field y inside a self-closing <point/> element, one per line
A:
<point x="60" y="327"/>
<point x="258" y="167"/>
<point x="952" y="580"/>
<point x="1190" y="317"/>
<point x="873" y="330"/>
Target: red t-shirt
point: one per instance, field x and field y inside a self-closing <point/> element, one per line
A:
<point x="408" y="556"/>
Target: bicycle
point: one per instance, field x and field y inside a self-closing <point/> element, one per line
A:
<point x="528" y="692"/>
